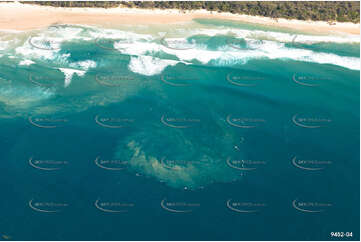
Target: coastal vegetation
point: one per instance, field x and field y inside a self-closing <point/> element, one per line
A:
<point x="340" y="11"/>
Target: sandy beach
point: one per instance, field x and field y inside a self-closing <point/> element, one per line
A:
<point x="17" y="16"/>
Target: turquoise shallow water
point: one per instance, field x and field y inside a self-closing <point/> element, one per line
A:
<point x="212" y="130"/>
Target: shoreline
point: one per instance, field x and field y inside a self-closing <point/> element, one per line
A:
<point x="37" y="17"/>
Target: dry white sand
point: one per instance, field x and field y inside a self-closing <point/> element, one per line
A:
<point x="17" y="16"/>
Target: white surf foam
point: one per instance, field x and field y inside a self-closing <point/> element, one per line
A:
<point x="148" y="65"/>
<point x="4" y="45"/>
<point x="145" y="49"/>
<point x="279" y="36"/>
<point x="84" y="65"/>
<point x="68" y="73"/>
<point x="275" y="50"/>
<point x="227" y="55"/>
<point x="26" y="62"/>
<point x="27" y="50"/>
<point x="118" y="34"/>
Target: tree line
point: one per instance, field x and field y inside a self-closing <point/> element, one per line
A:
<point x="341" y="11"/>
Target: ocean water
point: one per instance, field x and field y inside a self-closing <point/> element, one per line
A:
<point x="210" y="130"/>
